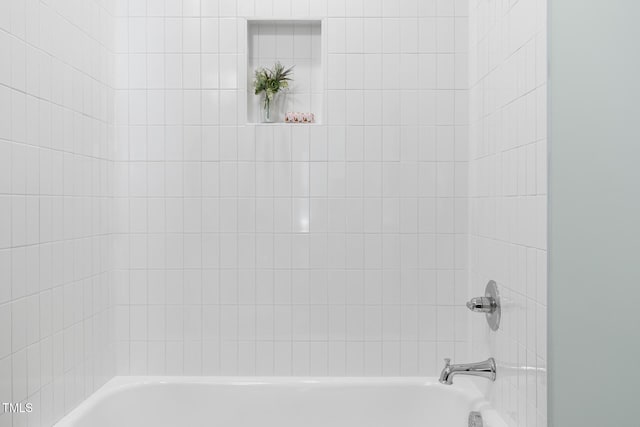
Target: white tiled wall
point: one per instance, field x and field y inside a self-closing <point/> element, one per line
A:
<point x="335" y="249"/>
<point x="508" y="187"/>
<point x="56" y="115"/>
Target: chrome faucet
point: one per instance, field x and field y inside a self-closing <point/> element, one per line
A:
<point x="486" y="369"/>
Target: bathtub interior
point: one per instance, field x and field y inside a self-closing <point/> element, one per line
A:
<point x="206" y="402"/>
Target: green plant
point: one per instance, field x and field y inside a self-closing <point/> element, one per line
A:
<point x="271" y="81"/>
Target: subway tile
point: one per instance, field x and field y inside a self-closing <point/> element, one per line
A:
<point x="345" y="226"/>
<point x="521" y="165"/>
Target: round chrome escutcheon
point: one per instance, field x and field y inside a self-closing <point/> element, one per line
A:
<point x="493" y="318"/>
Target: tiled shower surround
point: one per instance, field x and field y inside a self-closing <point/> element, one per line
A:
<point x="332" y="249"/>
<point x="56" y="127"/>
<point x="508" y="197"/>
<point x="148" y="228"/>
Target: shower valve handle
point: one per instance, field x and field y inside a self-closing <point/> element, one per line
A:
<point x="482" y="305"/>
<point x="489" y="304"/>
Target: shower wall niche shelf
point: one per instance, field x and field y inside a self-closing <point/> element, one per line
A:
<point x="293" y="42"/>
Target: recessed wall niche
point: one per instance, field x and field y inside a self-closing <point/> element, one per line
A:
<point x="296" y="43"/>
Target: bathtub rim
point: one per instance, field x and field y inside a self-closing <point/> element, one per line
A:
<point x="463" y="387"/>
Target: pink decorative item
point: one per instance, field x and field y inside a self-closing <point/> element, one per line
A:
<point x="299" y="118"/>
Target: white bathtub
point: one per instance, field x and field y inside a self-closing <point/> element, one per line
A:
<point x="279" y="402"/>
